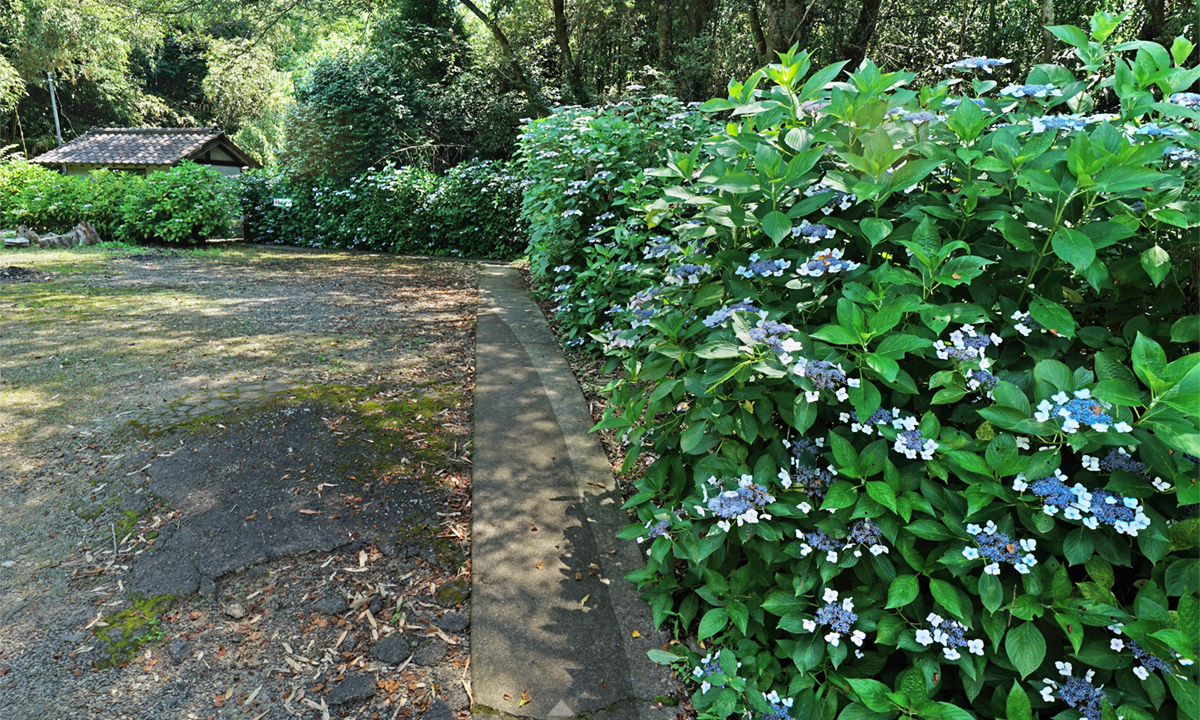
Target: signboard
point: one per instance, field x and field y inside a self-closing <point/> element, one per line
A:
<point x="283" y="202"/>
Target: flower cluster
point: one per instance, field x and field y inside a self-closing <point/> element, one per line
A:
<point x="950" y="634"/>
<point x="813" y="232"/>
<point x="1027" y="91"/>
<point x="775" y="335"/>
<point x="1024" y="324"/>
<point x="919" y="118"/>
<point x="1079" y="410"/>
<point x="824" y="375"/>
<point x="720" y="316"/>
<point x="865" y="532"/>
<point x="762" y="268"/>
<point x="977" y="63"/>
<point x="812" y="481"/>
<point x="1092" y="507"/>
<point x="687" y="274"/>
<point x="966" y="345"/>
<point x="1059" y="122"/>
<point x="819" y="540"/>
<point x="741" y="505"/>
<point x="709" y="673"/>
<point x="911" y="442"/>
<point x="997" y="547"/>
<point x="879" y="417"/>
<point x="1186" y="99"/>
<point x="1079" y="693"/>
<point x="780" y="708"/>
<point x="826" y="262"/>
<point x="1121" y="460"/>
<point x="838" y="200"/>
<point x="838" y="617"/>
<point x="661" y="246"/>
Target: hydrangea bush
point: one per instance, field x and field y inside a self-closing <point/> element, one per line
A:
<point x="186" y="204"/>
<point x="585" y="181"/>
<point x="471" y="211"/>
<point x="917" y="371"/>
<point x="48" y="201"/>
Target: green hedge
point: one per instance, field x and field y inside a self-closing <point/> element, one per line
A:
<point x="185" y="204"/>
<point x="471" y="211"/>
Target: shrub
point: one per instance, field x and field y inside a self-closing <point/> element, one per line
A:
<point x="470" y="211"/>
<point x="48" y="201"/>
<point x="186" y="204"/>
<point x="918" y="375"/>
<point x="577" y="158"/>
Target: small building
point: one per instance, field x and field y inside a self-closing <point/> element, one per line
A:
<point x="144" y="150"/>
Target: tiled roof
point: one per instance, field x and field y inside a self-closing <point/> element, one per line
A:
<point x="131" y="146"/>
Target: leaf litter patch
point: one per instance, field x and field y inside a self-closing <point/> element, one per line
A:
<point x="16" y="274"/>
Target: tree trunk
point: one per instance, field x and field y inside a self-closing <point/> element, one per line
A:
<point x="756" y="27"/>
<point x="664" y="34"/>
<point x="1152" y="26"/>
<point x="563" y="38"/>
<point x="775" y="42"/>
<point x="1047" y="36"/>
<point x="535" y="105"/>
<point x="862" y="34"/>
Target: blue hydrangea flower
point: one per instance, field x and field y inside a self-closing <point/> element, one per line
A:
<point x="1120" y="459"/>
<point x="977" y="63"/>
<point x="1079" y="410"/>
<point x="967" y="345"/>
<point x="762" y="268"/>
<point x="950" y="634"/>
<point x="826" y="262"/>
<point x="780" y="709"/>
<point x="709" y="673"/>
<point x="919" y="118"/>
<point x="813" y="232"/>
<point x="1092" y="507"/>
<point x="1147" y="661"/>
<point x="838" y="200"/>
<point x="839" y="617"/>
<point x="1186" y="99"/>
<point x="1179" y="155"/>
<point x="660" y="246"/>
<point x="1028" y="91"/>
<point x="1079" y="693"/>
<point x="913" y="444"/>
<point x="881" y="416"/>
<point x="956" y="101"/>
<point x="1154" y="130"/>
<point x="720" y="316"/>
<point x="824" y="375"/>
<point x="819" y="540"/>
<point x="1059" y="122"/>
<point x="741" y="505"/>
<point x="773" y="334"/>
<point x="996" y="547"/>
<point x="687" y="274"/>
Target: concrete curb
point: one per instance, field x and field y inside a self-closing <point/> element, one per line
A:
<point x="566" y="644"/>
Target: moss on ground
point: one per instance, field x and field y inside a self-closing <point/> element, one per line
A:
<point x="131" y="629"/>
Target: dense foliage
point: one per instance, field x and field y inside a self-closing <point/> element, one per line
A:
<point x="470" y="211"/>
<point x="585" y="169"/>
<point x="188" y="203"/>
<point x="917" y="371"/>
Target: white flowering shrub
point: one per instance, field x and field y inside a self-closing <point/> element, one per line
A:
<point x="917" y="372"/>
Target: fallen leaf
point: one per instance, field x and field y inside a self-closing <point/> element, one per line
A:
<point x="585" y="599"/>
<point x="250" y="517"/>
<point x="309" y="512"/>
<point x="538" y="565"/>
<point x="525" y="699"/>
<point x="635" y="633"/>
<point x="578" y="576"/>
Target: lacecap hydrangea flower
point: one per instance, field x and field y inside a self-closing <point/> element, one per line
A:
<point x="1077" y="410"/>
<point x="1079" y="693"/>
<point x="1027" y="91"/>
<point x="950" y="634"/>
<point x="977" y="63"/>
<point x="996" y="547"/>
<point x="838" y="617"/>
<point x="740" y="505"/>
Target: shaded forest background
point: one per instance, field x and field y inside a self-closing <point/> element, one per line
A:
<point x="331" y="87"/>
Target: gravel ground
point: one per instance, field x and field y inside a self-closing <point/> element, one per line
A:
<point x="118" y="366"/>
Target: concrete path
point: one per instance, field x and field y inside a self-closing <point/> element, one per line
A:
<point x="552" y="615"/>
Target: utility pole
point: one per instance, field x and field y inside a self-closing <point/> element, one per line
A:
<point x="54" y="109"/>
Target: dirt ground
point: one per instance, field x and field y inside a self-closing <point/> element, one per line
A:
<point x="234" y="483"/>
